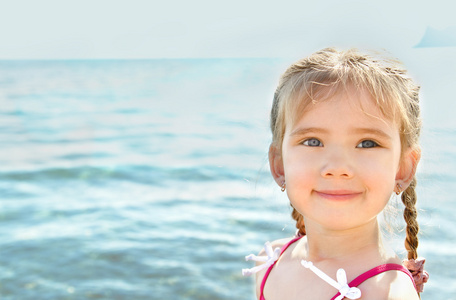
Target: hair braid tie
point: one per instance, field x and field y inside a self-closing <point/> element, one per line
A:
<point x="416" y="267"/>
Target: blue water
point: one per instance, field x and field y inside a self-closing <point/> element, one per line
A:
<point x="148" y="179"/>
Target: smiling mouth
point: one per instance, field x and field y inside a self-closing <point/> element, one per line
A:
<point x="338" y="195"/>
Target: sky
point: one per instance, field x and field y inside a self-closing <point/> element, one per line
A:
<point x="101" y="29"/>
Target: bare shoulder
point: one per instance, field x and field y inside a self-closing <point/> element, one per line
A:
<point x="260" y="275"/>
<point x="391" y="285"/>
<point x="276" y="244"/>
<point x="402" y="288"/>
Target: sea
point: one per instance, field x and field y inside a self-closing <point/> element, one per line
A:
<point x="149" y="179"/>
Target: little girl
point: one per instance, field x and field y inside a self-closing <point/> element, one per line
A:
<point x="345" y="132"/>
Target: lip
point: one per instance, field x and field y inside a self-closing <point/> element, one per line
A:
<point x="339" y="195"/>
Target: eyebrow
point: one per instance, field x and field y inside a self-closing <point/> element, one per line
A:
<point x="373" y="131"/>
<point x="304" y="131"/>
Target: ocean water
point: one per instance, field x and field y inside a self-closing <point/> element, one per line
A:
<point x="148" y="179"/>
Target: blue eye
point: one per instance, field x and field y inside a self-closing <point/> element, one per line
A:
<point x="312" y="143"/>
<point x="367" y="144"/>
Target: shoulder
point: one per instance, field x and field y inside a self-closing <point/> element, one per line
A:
<point x="402" y="287"/>
<point x="391" y="285"/>
<point x="275" y="244"/>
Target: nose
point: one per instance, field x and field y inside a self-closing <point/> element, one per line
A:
<point x="337" y="165"/>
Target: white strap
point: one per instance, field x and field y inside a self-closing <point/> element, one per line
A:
<point x="340" y="284"/>
<point x="272" y="256"/>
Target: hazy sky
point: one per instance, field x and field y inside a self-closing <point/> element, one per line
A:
<point x="59" y="29"/>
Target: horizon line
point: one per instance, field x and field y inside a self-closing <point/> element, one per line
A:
<point x="139" y="58"/>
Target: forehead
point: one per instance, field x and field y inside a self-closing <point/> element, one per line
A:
<point x="350" y="104"/>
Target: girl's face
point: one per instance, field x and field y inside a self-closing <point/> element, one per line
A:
<point x="340" y="161"/>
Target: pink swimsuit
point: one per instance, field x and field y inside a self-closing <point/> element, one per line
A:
<point x="354" y="283"/>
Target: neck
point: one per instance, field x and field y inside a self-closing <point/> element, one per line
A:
<point x="324" y="244"/>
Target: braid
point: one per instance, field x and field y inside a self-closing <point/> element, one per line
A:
<point x="410" y="215"/>
<point x="299" y="221"/>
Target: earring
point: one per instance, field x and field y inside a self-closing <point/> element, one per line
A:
<point x="282" y="188"/>
<point x="399" y="188"/>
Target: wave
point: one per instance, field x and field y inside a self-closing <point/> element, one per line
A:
<point x="136" y="173"/>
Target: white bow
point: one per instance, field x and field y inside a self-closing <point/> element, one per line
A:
<point x="340" y="284"/>
<point x="272" y="256"/>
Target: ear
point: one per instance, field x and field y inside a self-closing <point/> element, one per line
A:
<point x="407" y="167"/>
<point x="276" y="164"/>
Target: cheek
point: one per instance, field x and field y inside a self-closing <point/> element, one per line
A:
<point x="296" y="165"/>
<point x="300" y="175"/>
<point x="379" y="174"/>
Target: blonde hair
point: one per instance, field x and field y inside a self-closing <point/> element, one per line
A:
<point x="329" y="71"/>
